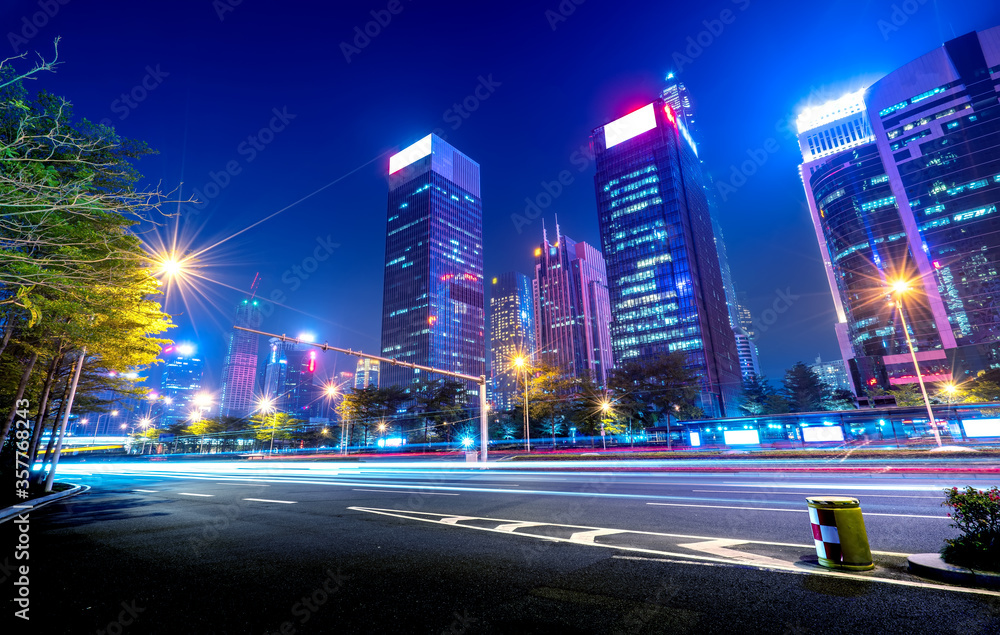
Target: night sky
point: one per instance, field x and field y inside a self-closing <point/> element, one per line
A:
<point x="216" y="74"/>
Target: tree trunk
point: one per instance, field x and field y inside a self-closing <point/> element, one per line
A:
<point x="669" y="443"/>
<point x="7" y="332"/>
<point x="52" y="435"/>
<point x="43" y="407"/>
<point x="20" y="393"/>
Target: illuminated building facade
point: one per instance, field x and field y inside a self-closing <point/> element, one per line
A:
<point x="432" y="298"/>
<point x="664" y="278"/>
<point x="366" y="373"/>
<point x="290" y="379"/>
<point x="834" y="374"/>
<point x="512" y="334"/>
<point x="903" y="183"/>
<point x="180" y="381"/>
<point x="572" y="310"/>
<point x="240" y="371"/>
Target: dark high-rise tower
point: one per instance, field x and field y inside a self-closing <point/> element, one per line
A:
<point x="432" y="297"/>
<point x="240" y="371"/>
<point x="903" y="183"/>
<point x="179" y="383"/>
<point x="664" y="277"/>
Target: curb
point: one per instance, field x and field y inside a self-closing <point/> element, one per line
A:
<point x="931" y="565"/>
<point x="10" y="512"/>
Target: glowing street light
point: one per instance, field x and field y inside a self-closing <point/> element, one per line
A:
<point x="265" y="405"/>
<point x="606" y="411"/>
<point x="900" y="288"/>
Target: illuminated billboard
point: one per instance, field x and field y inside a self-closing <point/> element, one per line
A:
<point x="631" y="125"/>
<point x="408" y="155"/>
<point x="822" y="433"/>
<point x="981" y="428"/>
<point x="741" y="437"/>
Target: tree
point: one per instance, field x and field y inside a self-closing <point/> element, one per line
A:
<point x="804" y="390"/>
<point x="908" y="395"/>
<point x="753" y="397"/>
<point x="981" y="391"/>
<point x="440" y="402"/>
<point x="369" y="406"/>
<point x="76" y="282"/>
<point x="840" y="399"/>
<point x="275" y="426"/>
<point x="656" y="389"/>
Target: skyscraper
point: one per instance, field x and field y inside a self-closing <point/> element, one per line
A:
<point x="512" y="333"/>
<point x="432" y="298"/>
<point x="664" y="276"/>
<point x="366" y="373"/>
<point x="240" y="370"/>
<point x="179" y="382"/>
<point x="290" y="378"/>
<point x="903" y="182"/>
<point x="572" y="311"/>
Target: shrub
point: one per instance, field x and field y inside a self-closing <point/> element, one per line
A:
<point x="976" y="513"/>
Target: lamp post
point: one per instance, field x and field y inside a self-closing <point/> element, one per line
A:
<point x="605" y="410"/>
<point x="144" y="423"/>
<point x="266" y="406"/>
<point x="519" y="363"/>
<point x="899" y="288"/>
<point x="97" y="426"/>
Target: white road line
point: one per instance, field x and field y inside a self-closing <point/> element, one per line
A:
<point x="145" y="491"/>
<point x="190" y="494"/>
<point x="401" y="491"/>
<point x="795" y="511"/>
<point x="244" y="484"/>
<point x="450" y="520"/>
<point x="510" y="527"/>
<point x="267" y="500"/>
<point x="721" y="548"/>
<point x="831" y="574"/>
<point x="587" y="537"/>
<point x="737" y="491"/>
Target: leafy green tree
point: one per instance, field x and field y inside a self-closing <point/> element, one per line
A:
<point x="439" y="403"/>
<point x="753" y="397"/>
<point x="981" y="391"/>
<point x="840" y="399"/>
<point x="277" y="426"/>
<point x="656" y="390"/>
<point x="907" y="395"/>
<point x="804" y="389"/>
<point x="76" y="281"/>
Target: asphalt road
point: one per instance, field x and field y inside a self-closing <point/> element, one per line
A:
<point x="250" y="547"/>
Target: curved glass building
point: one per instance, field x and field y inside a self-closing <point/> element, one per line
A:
<point x="903" y="183"/>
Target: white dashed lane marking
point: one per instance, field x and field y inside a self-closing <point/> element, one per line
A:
<point x="267" y="500"/>
<point x="190" y="494"/>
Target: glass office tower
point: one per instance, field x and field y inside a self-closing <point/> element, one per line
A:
<point x="572" y="309"/>
<point x="179" y="383"/>
<point x="432" y="302"/>
<point x="240" y="371"/>
<point x="512" y="334"/>
<point x="903" y="183"/>
<point x="664" y="278"/>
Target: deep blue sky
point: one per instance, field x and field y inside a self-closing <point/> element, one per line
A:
<point x="220" y="79"/>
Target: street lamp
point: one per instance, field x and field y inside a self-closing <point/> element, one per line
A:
<point x="899" y="288"/>
<point x="265" y="406"/>
<point x="519" y="363"/>
<point x="144" y="422"/>
<point x="605" y="411"/>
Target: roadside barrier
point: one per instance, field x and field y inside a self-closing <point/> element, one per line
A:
<point x="838" y="529"/>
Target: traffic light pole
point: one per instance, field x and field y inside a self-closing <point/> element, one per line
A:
<point x="481" y="380"/>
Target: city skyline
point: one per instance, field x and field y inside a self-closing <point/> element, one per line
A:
<point x="168" y="117"/>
